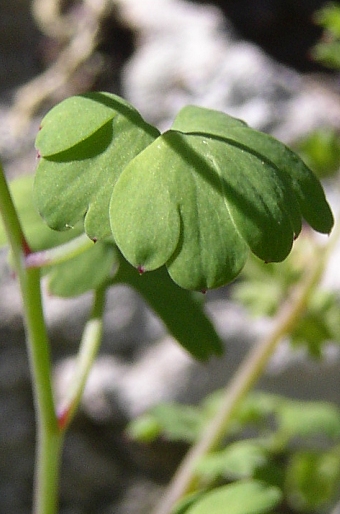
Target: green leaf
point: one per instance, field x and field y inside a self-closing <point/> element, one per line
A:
<point x="238" y="460"/>
<point x="145" y="429"/>
<point x="38" y="234"/>
<point x="71" y="122"/>
<point x="327" y="50"/>
<point x="180" y="311"/>
<point x="175" y="218"/>
<point x="312" y="479"/>
<point x="183" y="505"/>
<point x="196" y="120"/>
<point x="260" y="298"/>
<point x="289" y="170"/>
<point x="312" y="332"/>
<point x="255" y="411"/>
<point x="328" y="54"/>
<point x="204" y="193"/>
<point x="258" y="407"/>
<point x="84" y="144"/>
<point x="329" y="18"/>
<point x="248" y="497"/>
<point x="303" y="419"/>
<point x="172" y="421"/>
<point x="85" y="272"/>
<point x="321" y="149"/>
<point x="178" y="422"/>
<point x="319" y="324"/>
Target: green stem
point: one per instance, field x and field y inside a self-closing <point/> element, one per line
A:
<point x="185" y="480"/>
<point x="49" y="438"/>
<point x="58" y="254"/>
<point x="89" y="346"/>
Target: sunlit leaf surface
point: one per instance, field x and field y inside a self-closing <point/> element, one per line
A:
<point x="196" y="199"/>
<point x="84" y="144"/>
<point x="205" y="193"/>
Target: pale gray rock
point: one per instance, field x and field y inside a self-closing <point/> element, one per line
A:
<point x="187" y="54"/>
<point x="164" y="372"/>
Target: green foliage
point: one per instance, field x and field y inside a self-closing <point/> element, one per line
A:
<point x="39" y="235"/>
<point x="238" y="184"/>
<point x="180" y="310"/>
<point x="308" y="419"/>
<point x="93" y="266"/>
<point x="327" y="51"/>
<point x="321" y="151"/>
<point x="182" y="506"/>
<point x="238" y="460"/>
<point x="195" y="199"/>
<point x="294" y="445"/>
<point x="249" y="497"/>
<point x="172" y="421"/>
<point x="312" y="479"/>
<point x="292" y="418"/>
<point x="329" y="18"/>
<point x="319" y="324"/>
<point x="263" y="287"/>
<point x="84" y="144"/>
<point x="76" y="275"/>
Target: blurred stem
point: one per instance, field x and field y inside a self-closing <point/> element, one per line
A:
<point x="88" y="350"/>
<point x="185" y="479"/>
<point x="49" y="437"/>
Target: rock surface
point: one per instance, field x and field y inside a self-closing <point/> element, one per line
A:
<point x="189" y="54"/>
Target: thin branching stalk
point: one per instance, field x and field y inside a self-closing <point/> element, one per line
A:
<point x="185" y="479"/>
<point x="49" y="437"/>
<point x="59" y="253"/>
<point x="88" y="350"/>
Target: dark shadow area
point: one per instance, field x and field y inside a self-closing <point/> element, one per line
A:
<point x="117" y="44"/>
<point x="19" y="45"/>
<point x="282" y="28"/>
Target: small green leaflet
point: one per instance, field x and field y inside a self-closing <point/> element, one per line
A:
<point x="181" y="312"/>
<point x="85" y="272"/>
<point x="244" y="497"/>
<point x="38" y="234"/>
<point x="84" y="144"/>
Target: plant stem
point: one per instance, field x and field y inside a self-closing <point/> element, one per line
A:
<point x="58" y="254"/>
<point x="89" y="346"/>
<point x="185" y="479"/>
<point x="49" y="437"/>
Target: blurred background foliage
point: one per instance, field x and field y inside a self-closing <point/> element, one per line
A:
<point x="293" y="445"/>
